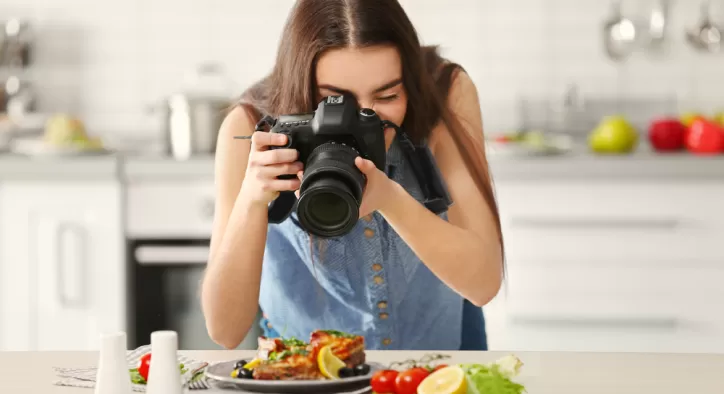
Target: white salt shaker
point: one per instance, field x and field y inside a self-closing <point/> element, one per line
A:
<point x="113" y="376"/>
<point x="164" y="376"/>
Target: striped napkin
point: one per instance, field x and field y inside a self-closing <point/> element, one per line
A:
<point x="193" y="377"/>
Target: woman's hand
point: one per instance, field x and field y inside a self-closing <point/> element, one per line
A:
<point x="378" y="190"/>
<point x="260" y="182"/>
<point x="378" y="187"/>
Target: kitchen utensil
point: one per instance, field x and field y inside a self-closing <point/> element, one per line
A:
<point x="706" y="37"/>
<point x="19" y="99"/>
<point x="657" y="27"/>
<point x="619" y="34"/>
<point x="15" y="43"/>
<point x="193" y="116"/>
<point x="192" y="124"/>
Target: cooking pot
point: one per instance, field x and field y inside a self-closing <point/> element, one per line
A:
<point x="192" y="124"/>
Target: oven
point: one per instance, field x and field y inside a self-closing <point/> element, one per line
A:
<point x="167" y="239"/>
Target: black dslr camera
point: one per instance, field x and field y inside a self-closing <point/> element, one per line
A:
<point x="328" y="142"/>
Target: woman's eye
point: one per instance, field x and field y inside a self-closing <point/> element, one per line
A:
<point x="388" y="98"/>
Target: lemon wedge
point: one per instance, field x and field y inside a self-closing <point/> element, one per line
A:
<point x="252" y="364"/>
<point x="329" y="364"/>
<point x="448" y="380"/>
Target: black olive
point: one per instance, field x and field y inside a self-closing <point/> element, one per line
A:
<point x="346" y="372"/>
<point x="246" y="374"/>
<point x="240" y="364"/>
<point x="361" y="369"/>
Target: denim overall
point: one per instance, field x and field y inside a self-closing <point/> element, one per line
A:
<point x="368" y="282"/>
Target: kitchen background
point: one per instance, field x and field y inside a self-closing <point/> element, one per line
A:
<point x="106" y="203"/>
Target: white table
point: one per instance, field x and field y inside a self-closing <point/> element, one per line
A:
<point x="543" y="373"/>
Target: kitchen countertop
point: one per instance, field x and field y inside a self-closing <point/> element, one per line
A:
<point x="20" y="167"/>
<point x="542" y="373"/>
<point x="578" y="164"/>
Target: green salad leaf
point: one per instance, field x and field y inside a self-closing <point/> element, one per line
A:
<point x="495" y="378"/>
<point x="136" y="377"/>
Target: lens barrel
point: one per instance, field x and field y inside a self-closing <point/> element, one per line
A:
<point x="331" y="191"/>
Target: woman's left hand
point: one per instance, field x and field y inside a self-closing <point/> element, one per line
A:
<point x="378" y="189"/>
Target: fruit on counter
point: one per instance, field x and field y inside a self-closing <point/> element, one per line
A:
<point x="383" y="381"/>
<point x="613" y="135"/>
<point x="688" y="118"/>
<point x="408" y="381"/>
<point x="63" y="130"/>
<point x="473" y="378"/>
<point x="447" y="380"/>
<point x="666" y="135"/>
<point x="705" y="137"/>
<point x="719" y="118"/>
<point x="144" y="365"/>
<point x="329" y="364"/>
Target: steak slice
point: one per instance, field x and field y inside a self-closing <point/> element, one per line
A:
<point x="349" y="348"/>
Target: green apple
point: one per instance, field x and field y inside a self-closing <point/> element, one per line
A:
<point x="719" y="118"/>
<point x="613" y="135"/>
<point x="688" y="118"/>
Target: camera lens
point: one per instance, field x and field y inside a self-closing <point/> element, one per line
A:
<point x="331" y="191"/>
<point x="328" y="210"/>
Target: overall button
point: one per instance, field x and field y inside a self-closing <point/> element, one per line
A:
<point x="384" y="316"/>
<point x="378" y="279"/>
<point x="382" y="304"/>
<point x="369" y="233"/>
<point x="367" y="218"/>
<point x="387" y="341"/>
<point x="376" y="267"/>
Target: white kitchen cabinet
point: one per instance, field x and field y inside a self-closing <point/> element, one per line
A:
<point x="63" y="264"/>
<point x="610" y="266"/>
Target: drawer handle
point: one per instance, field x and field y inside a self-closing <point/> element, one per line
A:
<point x="611" y="322"/>
<point x="593" y="223"/>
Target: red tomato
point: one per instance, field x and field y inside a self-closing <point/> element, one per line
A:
<point x="383" y="381"/>
<point x="407" y="381"/>
<point x="144" y="365"/>
<point x="441" y="366"/>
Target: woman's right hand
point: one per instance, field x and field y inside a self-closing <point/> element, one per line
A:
<point x="265" y="165"/>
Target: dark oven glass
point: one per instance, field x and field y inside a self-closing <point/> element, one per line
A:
<point x="165" y="278"/>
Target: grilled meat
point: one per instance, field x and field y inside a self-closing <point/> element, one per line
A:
<point x="292" y="359"/>
<point x="288" y="365"/>
<point x="347" y="347"/>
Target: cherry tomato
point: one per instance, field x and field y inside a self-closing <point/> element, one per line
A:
<point x="383" y="381"/>
<point x="407" y="381"/>
<point x="441" y="366"/>
<point x="144" y="365"/>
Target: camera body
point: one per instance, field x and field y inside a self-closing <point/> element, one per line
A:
<point x="328" y="141"/>
<point x="337" y="120"/>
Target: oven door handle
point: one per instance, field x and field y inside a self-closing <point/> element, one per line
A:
<point x="160" y="255"/>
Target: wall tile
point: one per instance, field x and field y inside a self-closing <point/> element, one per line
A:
<point x="109" y="60"/>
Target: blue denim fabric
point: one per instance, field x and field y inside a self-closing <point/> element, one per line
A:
<point x="368" y="282"/>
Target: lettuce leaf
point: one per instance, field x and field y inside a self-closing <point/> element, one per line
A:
<point x="494" y="378"/>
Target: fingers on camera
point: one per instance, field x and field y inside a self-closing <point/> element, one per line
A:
<point x="262" y="140"/>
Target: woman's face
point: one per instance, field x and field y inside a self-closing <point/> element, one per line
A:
<point x="373" y="75"/>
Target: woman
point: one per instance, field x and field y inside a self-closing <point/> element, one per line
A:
<point x="404" y="278"/>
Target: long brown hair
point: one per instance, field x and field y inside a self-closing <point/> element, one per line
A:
<point x="316" y="26"/>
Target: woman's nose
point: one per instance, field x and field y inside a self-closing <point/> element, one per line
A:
<point x="366" y="104"/>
